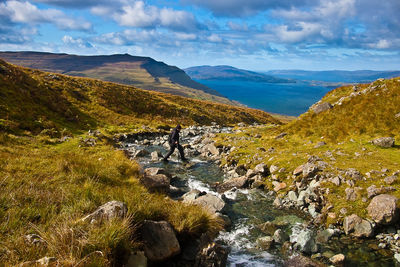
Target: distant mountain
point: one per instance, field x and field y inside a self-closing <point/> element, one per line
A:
<point x="358" y="76"/>
<point x="231" y="73"/>
<point x="142" y="72"/>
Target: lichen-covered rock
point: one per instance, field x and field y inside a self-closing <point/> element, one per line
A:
<point x="309" y="170"/>
<point x="321" y="107"/>
<point x="385" y="142"/>
<point x="357" y="226"/>
<point x="159" y="240"/>
<point x="112" y="209"/>
<point x="383" y="209"/>
<point x="304" y="241"/>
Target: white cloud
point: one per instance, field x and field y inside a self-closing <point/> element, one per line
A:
<point x="185" y="36"/>
<point x="25" y="12"/>
<point x="78" y="42"/>
<point x="214" y="38"/>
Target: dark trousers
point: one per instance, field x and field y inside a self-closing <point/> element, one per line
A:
<point x="172" y="149"/>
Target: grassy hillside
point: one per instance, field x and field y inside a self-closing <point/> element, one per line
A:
<point x="142" y="72"/>
<point x="340" y="136"/>
<point x="48" y="183"/>
<point x="32" y="100"/>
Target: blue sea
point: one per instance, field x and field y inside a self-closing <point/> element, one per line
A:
<point x="283" y="98"/>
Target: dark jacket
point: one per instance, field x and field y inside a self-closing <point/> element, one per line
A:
<point x="174" y="136"/>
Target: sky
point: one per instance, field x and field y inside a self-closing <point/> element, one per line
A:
<point x="250" y="34"/>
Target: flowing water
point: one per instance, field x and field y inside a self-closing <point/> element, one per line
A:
<point x="248" y="208"/>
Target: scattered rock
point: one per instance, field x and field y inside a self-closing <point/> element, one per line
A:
<point x="265" y="242"/>
<point x="281" y="135"/>
<point x="374" y="191"/>
<point x="324" y="236"/>
<point x="337" y="260"/>
<point x="239" y="182"/>
<point x="214" y="255"/>
<point x="268" y="227"/>
<point x="155" y="155"/>
<point x="319" y="144"/>
<point x="383" y="209"/>
<point x="159" y="240"/>
<point x="262" y="169"/>
<point x="210" y="202"/>
<point x="357" y="226"/>
<point x="304" y="241"/>
<point x="34" y="239"/>
<point x="292" y="196"/>
<point x="277" y="202"/>
<point x="321" y="107"/>
<point x="280" y="236"/>
<point x="112" y="209"/>
<point x="156" y="180"/>
<point x="212" y="149"/>
<point x="192" y="195"/>
<point x="141" y="153"/>
<point x="301" y="261"/>
<point x="390" y="179"/>
<point x="278" y="186"/>
<point x="385" y="142"/>
<point x="309" y="170"/>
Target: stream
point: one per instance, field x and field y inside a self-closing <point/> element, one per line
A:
<point x="248" y="208"/>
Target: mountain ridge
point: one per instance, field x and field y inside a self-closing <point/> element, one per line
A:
<point x="207" y="72"/>
<point x="142" y="72"/>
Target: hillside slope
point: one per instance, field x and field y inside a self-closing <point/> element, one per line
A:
<point x="333" y="140"/>
<point x="34" y="100"/>
<point x="142" y="72"/>
<point x="231" y="73"/>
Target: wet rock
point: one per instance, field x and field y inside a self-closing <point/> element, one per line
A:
<point x="383" y="209"/>
<point x="337" y="260"/>
<point x="227" y="221"/>
<point x="304" y="241"/>
<point x="156" y="180"/>
<point x="155" y="155"/>
<point x="214" y="255"/>
<point x="141" y="153"/>
<point x="112" y="209"/>
<point x="265" y="242"/>
<point x="324" y="236"/>
<point x="390" y="179"/>
<point x="159" y="240"/>
<point x="280" y="236"/>
<point x="321" y="107"/>
<point x="192" y="195"/>
<point x="385" y="142"/>
<point x="240" y="182"/>
<point x="268" y="227"/>
<point x="301" y="261"/>
<point x="136" y="259"/>
<point x="210" y="202"/>
<point x="357" y="226"/>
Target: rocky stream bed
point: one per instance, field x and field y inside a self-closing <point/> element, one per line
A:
<point x="260" y="229"/>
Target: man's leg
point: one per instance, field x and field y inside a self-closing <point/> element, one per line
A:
<point x="171" y="150"/>
<point x="182" y="154"/>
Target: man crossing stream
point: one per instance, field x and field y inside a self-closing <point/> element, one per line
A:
<point x="173" y="141"/>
